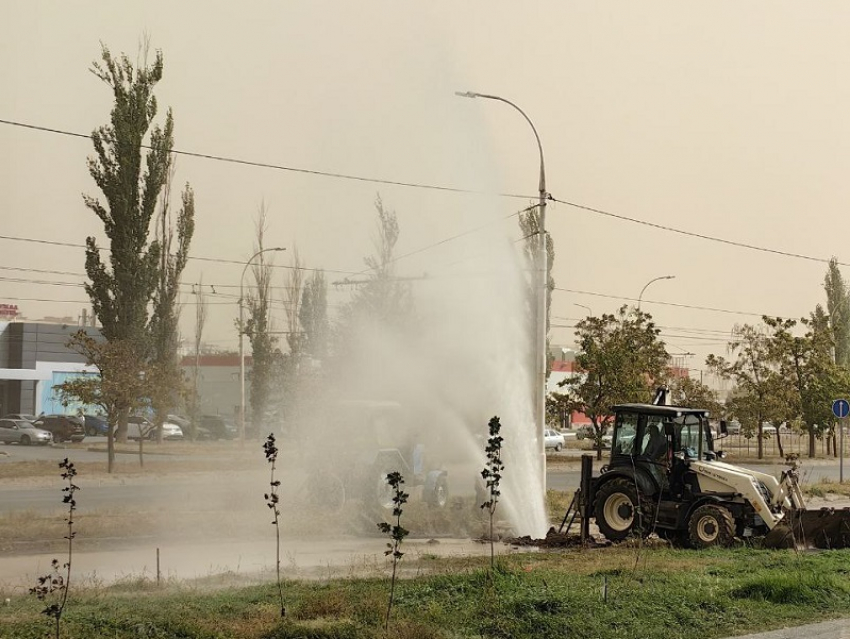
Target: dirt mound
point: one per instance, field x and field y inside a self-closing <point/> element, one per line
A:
<point x="555" y="539"/>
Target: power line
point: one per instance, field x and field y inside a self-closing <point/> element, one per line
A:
<point x="701" y="236"/>
<point x="280" y="167"/>
<point x="219" y="260"/>
<point x="698" y="308"/>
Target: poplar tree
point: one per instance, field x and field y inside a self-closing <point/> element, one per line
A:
<point x="131" y="167"/>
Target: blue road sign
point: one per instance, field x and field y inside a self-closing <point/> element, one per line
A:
<point x="840" y="408"/>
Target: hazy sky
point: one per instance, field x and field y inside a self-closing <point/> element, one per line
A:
<point x="725" y="119"/>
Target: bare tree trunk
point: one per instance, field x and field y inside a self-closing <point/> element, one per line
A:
<point x="121" y="427"/>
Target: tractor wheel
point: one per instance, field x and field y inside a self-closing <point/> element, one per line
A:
<point x="711" y="525"/>
<point x="618" y="511"/>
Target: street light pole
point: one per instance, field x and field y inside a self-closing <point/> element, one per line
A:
<point x="538" y="397"/>
<point x="242" y="342"/>
<point x="587" y="308"/>
<point x="662" y="277"/>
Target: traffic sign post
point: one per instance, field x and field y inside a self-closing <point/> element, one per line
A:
<point x="841" y="408"/>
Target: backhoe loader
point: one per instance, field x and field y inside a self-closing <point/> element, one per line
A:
<point x="664" y="476"/>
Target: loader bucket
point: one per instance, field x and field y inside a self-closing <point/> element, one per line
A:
<point x="824" y="528"/>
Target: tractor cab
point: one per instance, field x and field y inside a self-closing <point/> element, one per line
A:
<point x="658" y="441"/>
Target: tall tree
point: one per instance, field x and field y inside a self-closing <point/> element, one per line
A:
<point x="806" y="361"/>
<point x="258" y="329"/>
<point x="383" y="298"/>
<point x="621" y="358"/>
<point x="757" y="397"/>
<point x="168" y="385"/>
<point x="194" y="396"/>
<point x="131" y="180"/>
<point x="838" y="310"/>
<point x="314" y="316"/>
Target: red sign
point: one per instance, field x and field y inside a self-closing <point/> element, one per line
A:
<point x="8" y="310"/>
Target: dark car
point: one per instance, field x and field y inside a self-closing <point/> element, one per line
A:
<point x="216" y="427"/>
<point x="96" y="425"/>
<point x="63" y="427"/>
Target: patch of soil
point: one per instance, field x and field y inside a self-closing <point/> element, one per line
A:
<point x="554" y="539"/>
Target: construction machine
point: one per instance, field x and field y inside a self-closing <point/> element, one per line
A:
<point x="665" y="476"/>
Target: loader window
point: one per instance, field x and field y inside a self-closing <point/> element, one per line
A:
<point x="689" y="436"/>
<point x="624" y="434"/>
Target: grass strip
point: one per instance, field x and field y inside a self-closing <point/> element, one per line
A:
<point x="653" y="594"/>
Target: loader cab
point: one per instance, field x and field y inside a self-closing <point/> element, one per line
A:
<point x="657" y="436"/>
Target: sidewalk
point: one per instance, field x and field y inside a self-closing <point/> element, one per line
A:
<point x="835" y="629"/>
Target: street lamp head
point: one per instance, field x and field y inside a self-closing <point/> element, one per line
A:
<point x="466" y="94"/>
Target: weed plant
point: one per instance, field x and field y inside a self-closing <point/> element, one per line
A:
<point x="492" y="475"/>
<point x="52" y="589"/>
<point x="273" y="502"/>
<point x="396" y="532"/>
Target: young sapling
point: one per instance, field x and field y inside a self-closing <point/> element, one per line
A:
<point x="273" y="502"/>
<point x="492" y="475"/>
<point x="53" y="588"/>
<point x="396" y="533"/>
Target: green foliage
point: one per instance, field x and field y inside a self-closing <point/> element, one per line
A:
<point x="838" y="311"/>
<point x="120" y="385"/>
<point x="168" y="386"/>
<point x="396" y="532"/>
<point x="52" y="589"/>
<point x="258" y="329"/>
<point x="621" y="358"/>
<point x="120" y="291"/>
<point x="684" y="391"/>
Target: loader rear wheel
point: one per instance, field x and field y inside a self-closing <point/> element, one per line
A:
<point x="711" y="525"/>
<point x="618" y="510"/>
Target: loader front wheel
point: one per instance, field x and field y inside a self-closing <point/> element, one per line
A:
<point x="711" y="525"/>
<point x="618" y="511"/>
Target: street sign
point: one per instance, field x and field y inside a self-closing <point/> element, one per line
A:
<point x="840" y="408"/>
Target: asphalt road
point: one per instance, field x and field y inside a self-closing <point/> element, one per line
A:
<point x="148" y="491"/>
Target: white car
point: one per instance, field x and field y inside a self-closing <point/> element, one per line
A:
<point x="138" y="428"/>
<point x="553" y="439"/>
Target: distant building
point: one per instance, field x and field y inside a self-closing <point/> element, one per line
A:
<point x="34" y="359"/>
<point x="218" y="382"/>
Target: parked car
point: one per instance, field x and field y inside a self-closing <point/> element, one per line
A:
<point x="19" y="431"/>
<point x="95" y="425"/>
<point x="216" y="427"/>
<point x="139" y="427"/>
<point x="23" y="416"/>
<point x="63" y="427"/>
<point x="553" y="439"/>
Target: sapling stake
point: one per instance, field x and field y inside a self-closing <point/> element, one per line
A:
<point x="492" y="475"/>
<point x="54" y="584"/>
<point x="396" y="532"/>
<point x="272" y="501"/>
